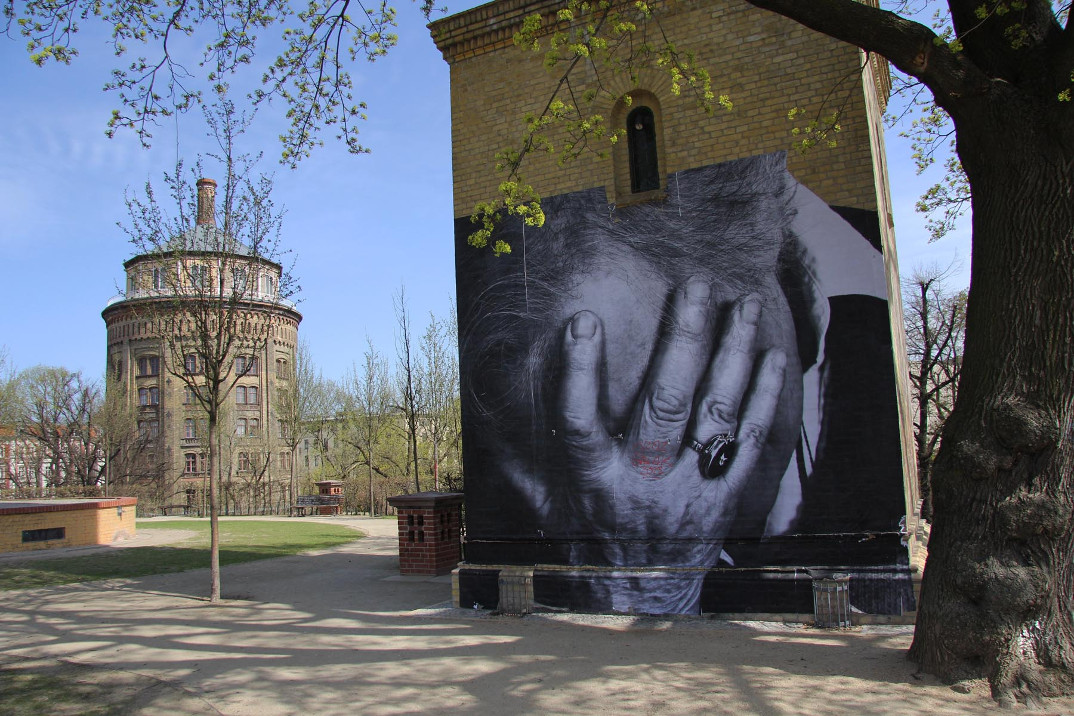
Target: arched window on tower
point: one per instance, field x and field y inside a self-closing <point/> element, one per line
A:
<point x="641" y="144"/>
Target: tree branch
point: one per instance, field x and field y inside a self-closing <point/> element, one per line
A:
<point x="910" y="46"/>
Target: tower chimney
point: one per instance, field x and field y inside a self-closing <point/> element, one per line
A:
<point x="206" y="202"/>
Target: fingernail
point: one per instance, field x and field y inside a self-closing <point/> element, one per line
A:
<point x="583" y="325"/>
<point x="750" y="310"/>
<point x="698" y="291"/>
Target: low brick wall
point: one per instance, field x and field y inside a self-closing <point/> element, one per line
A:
<point x="47" y="524"/>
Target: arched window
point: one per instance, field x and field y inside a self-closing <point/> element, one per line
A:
<point x="246" y="365"/>
<point x="641" y="145"/>
<point x="148" y="366"/>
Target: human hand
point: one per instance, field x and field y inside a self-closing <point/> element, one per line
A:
<point x="643" y="493"/>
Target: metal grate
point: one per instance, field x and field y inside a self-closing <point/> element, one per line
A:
<point x="516" y="590"/>
<point x="831" y="601"/>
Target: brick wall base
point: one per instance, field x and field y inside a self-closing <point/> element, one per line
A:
<point x="81" y="522"/>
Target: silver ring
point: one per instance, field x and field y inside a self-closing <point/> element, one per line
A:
<point x="714" y="455"/>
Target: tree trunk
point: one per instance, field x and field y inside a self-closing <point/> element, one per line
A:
<point x="436" y="467"/>
<point x="214" y="516"/>
<point x="999" y="582"/>
<point x="372" y="509"/>
<point x="414" y="452"/>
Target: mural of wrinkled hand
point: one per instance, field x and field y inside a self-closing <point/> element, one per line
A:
<point x="644" y="493"/>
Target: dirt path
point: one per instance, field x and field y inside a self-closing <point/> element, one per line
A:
<point x="340" y="632"/>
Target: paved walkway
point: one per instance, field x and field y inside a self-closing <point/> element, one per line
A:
<point x="340" y="632"/>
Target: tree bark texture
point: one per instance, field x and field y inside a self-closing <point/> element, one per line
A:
<point x="998" y="586"/>
<point x="999" y="582"/>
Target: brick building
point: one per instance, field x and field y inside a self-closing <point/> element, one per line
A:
<point x="30" y="468"/>
<point x="154" y="367"/>
<point x="583" y="480"/>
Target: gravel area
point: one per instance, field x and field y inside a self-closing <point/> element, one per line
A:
<point x="339" y="631"/>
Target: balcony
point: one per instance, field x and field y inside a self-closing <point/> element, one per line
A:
<point x="252" y="296"/>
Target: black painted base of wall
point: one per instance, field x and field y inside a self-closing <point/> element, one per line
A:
<point x="879" y="590"/>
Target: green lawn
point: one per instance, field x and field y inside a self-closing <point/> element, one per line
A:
<point x="240" y="541"/>
<point x="56" y="690"/>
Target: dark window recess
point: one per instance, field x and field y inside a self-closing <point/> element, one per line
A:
<point x="44" y="535"/>
<point x="641" y="144"/>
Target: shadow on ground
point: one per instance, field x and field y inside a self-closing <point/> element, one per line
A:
<point x="339" y="633"/>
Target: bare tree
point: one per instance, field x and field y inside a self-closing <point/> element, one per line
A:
<point x="326" y="405"/>
<point x="214" y="287"/>
<point x="453" y="478"/>
<point x="9" y="415"/>
<point x="129" y="461"/>
<point x="935" y="320"/>
<point x="296" y="406"/>
<point x="8" y="393"/>
<point x="407" y="382"/>
<point x="438" y="376"/>
<point x="58" y="409"/>
<point x="369" y="406"/>
<point x="252" y="475"/>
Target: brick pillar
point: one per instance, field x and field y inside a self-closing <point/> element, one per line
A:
<point x="330" y="493"/>
<point x="430" y="532"/>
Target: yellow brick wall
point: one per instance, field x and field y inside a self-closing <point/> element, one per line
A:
<point x="765" y="63"/>
<point x="100" y="523"/>
<point x="114" y="524"/>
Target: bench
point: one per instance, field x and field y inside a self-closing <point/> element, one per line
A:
<point x="175" y="509"/>
<point x="311" y="504"/>
<point x="301" y="510"/>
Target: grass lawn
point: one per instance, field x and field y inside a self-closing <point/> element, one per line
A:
<point x="240" y="541"/>
<point x="57" y="690"/>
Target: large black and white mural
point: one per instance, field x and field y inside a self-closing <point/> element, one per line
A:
<point x="686" y="404"/>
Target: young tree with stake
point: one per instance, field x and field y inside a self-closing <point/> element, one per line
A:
<point x="213" y="288"/>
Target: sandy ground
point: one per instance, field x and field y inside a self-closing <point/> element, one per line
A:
<point x="340" y="632"/>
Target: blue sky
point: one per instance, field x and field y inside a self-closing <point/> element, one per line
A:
<point x="360" y="226"/>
